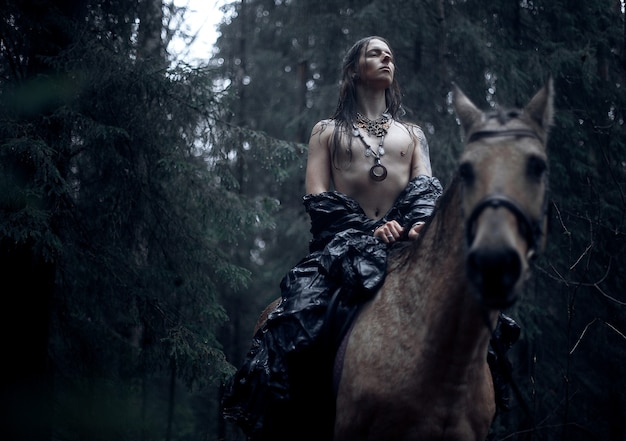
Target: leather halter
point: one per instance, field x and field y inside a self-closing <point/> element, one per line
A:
<point x="529" y="228"/>
<point x="520" y="133"/>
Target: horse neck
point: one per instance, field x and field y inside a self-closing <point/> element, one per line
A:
<point x="445" y="305"/>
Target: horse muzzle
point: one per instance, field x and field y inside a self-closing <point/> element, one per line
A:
<point x="495" y="273"/>
<point x="495" y="259"/>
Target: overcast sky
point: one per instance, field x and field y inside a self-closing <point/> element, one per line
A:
<point x="201" y="19"/>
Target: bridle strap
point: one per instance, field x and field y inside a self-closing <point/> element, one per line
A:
<point x="503" y="366"/>
<point x="531" y="230"/>
<point x="499" y="133"/>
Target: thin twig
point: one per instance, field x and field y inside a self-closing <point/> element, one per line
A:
<point x="620" y="333"/>
<point x="558" y="213"/>
<point x="581" y="256"/>
<point x="615" y="329"/>
<point x="582" y="335"/>
<point x="608" y="296"/>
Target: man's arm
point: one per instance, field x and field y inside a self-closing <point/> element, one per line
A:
<point x="420" y="161"/>
<point x="420" y="165"/>
<point x="318" y="164"/>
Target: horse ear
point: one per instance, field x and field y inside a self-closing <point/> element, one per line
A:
<point x="465" y="110"/>
<point x="541" y="107"/>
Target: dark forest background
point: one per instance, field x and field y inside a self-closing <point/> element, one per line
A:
<point x="149" y="208"/>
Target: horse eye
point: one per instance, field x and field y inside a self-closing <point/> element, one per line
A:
<point x="466" y="172"/>
<point x="536" y="167"/>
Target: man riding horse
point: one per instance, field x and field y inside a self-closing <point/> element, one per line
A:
<point x="369" y="185"/>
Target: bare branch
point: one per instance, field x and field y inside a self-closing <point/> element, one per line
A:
<point x="620" y="333"/>
<point x="616" y="330"/>
<point x="581" y="256"/>
<point x="582" y="335"/>
<point x="613" y="299"/>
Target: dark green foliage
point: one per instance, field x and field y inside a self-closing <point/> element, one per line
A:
<point x="148" y="212"/>
<point x="117" y="215"/>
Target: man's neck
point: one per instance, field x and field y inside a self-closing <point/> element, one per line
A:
<point x="371" y="103"/>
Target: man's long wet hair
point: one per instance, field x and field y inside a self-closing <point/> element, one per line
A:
<point x="346" y="111"/>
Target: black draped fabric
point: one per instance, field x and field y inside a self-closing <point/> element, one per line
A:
<point x="287" y="371"/>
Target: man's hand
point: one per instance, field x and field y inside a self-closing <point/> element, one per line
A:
<point x="389" y="232"/>
<point x="414" y="232"/>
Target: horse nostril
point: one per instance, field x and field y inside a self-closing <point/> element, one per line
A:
<point x="494" y="273"/>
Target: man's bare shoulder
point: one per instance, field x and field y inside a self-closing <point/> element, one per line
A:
<point x="323" y="126"/>
<point x="321" y="132"/>
<point x="414" y="128"/>
<point x="421" y="155"/>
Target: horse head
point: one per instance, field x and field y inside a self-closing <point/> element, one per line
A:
<point x="503" y="173"/>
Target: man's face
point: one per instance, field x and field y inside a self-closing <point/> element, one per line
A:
<point x="376" y="63"/>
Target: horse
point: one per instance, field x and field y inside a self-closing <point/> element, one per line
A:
<point x="415" y="366"/>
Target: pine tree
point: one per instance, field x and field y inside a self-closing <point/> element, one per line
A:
<point x="117" y="216"/>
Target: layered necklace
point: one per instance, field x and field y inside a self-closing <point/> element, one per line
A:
<point x="379" y="129"/>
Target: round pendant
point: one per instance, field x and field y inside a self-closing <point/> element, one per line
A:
<point x="378" y="172"/>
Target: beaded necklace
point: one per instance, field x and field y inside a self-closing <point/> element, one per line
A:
<point x="377" y="128"/>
